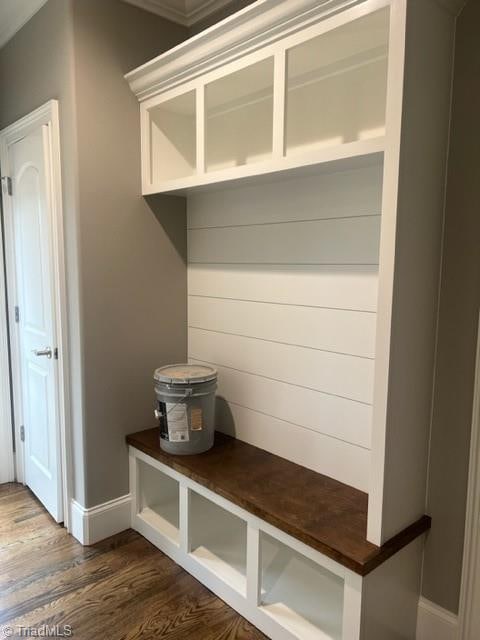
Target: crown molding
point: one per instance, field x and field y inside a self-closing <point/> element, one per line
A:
<point x="14" y="18"/>
<point x="184" y="12"/>
<point x="255" y="26"/>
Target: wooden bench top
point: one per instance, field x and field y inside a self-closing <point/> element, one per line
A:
<point x="323" y="513"/>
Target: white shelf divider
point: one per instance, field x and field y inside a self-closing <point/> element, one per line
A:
<point x="253" y="565"/>
<point x="184" y="506"/>
<point x="279" y="104"/>
<point x="200" y="115"/>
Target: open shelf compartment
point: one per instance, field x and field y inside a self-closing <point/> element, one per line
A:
<point x="336" y="86"/>
<point x="173" y="144"/>
<point x="218" y="541"/>
<point x="299" y="594"/>
<point x="239" y="117"/>
<point x="158" y="503"/>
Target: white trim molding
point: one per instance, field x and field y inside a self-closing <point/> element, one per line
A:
<point x="471" y="549"/>
<point x="7" y="469"/>
<point x="184" y="12"/>
<point x="257" y="25"/>
<point x="435" y="623"/>
<point x="189" y="12"/>
<point x="90" y="525"/>
<point x="47" y="114"/>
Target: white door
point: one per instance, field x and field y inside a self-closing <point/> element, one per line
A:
<point x="35" y="314"/>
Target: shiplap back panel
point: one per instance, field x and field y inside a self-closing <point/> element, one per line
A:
<point x="282" y="283"/>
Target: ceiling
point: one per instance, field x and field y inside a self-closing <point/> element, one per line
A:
<point x="186" y="12"/>
<point x="14" y="14"/>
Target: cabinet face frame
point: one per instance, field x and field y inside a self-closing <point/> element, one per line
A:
<point x="391" y="148"/>
<point x="278" y="51"/>
<point x="386" y="267"/>
<point x="385" y="480"/>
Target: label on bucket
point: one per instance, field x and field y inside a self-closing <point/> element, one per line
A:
<point x="196" y="422"/>
<point x="177" y="422"/>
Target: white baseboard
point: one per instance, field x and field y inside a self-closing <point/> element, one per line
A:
<point x="96" y="523"/>
<point x="435" y="623"/>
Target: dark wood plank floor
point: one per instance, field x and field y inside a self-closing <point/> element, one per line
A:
<point x="121" y="588"/>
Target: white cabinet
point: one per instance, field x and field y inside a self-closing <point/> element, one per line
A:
<point x="310" y="97"/>
<point x="343" y="97"/>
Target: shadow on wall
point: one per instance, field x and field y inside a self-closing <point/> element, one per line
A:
<point x="171" y="213"/>
<point x="224" y="416"/>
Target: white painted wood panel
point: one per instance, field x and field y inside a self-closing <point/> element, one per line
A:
<point x="336" y="417"/>
<point x="282" y="299"/>
<point x="336" y="374"/>
<point x="339" y="331"/>
<point x="335" y="287"/>
<point x="334" y="195"/>
<point x="338" y="241"/>
<point x="340" y="460"/>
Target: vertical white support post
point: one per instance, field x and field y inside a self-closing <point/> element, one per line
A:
<point x="254" y="563"/>
<point x="391" y="170"/>
<point x="134" y="484"/>
<point x="184" y="496"/>
<point x="200" y="128"/>
<point x="146" y="148"/>
<point x="352" y="606"/>
<point x="279" y="103"/>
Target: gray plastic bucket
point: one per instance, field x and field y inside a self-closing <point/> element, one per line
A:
<point x="186" y="407"/>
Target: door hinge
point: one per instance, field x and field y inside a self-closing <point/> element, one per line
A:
<point x="8" y="182"/>
<point x="55" y="353"/>
<point x="22" y="433"/>
<point x="17" y="314"/>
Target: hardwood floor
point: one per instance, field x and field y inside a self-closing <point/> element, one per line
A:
<point x="121" y="588"/>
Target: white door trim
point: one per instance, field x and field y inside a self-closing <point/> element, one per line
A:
<point x="471" y="547"/>
<point x="47" y="114"/>
<point x="7" y="467"/>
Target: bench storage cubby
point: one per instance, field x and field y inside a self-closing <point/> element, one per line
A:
<point x="297" y="566"/>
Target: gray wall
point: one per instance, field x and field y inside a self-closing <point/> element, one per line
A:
<point x="459" y="306"/>
<point x="126" y="267"/>
<point x="133" y="267"/>
<point x="36" y="65"/>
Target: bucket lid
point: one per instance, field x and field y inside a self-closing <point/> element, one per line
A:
<point x="185" y="374"/>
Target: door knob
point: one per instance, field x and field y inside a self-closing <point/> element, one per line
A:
<point x="43" y="352"/>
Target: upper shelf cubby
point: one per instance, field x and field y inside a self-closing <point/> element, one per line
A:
<point x="239" y="117"/>
<point x="314" y="96"/>
<point x="172" y="134"/>
<point x="336" y="86"/>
